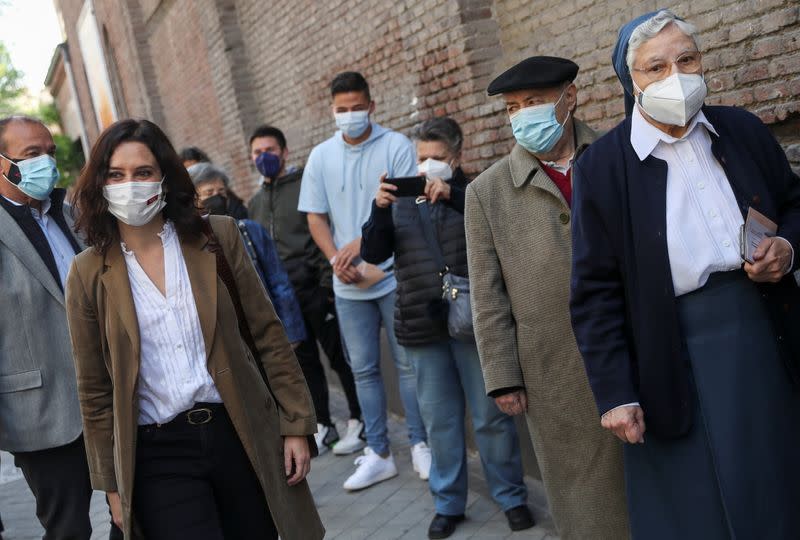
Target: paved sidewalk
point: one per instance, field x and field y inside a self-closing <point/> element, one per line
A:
<point x="398" y="508"/>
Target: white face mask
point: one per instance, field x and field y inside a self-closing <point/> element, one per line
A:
<point x="352" y="123"/>
<point x="674" y="100"/>
<point x="135" y="203"/>
<point x="433" y="168"/>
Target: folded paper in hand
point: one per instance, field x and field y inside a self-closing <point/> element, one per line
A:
<point x="756" y="227"/>
<point x="370" y="275"/>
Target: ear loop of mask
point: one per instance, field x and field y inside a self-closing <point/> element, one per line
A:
<point x="13" y="164"/>
<point x="560" y="97"/>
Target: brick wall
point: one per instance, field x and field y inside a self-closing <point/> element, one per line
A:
<point x="751" y="52"/>
<point x="209" y="71"/>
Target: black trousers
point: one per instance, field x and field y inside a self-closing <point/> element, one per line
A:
<point x="319" y="313"/>
<point x="195" y="481"/>
<point x="59" y="480"/>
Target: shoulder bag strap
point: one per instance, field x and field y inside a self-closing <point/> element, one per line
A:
<point x="429" y="232"/>
<point x="226" y="275"/>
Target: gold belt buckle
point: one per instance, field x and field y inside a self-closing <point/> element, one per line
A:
<point x="204" y="416"/>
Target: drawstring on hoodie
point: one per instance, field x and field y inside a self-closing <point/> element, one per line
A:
<point x="360" y="162"/>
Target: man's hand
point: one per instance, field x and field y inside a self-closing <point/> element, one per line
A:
<point x="771" y="260"/>
<point x="437" y="189"/>
<point x="115" y="504"/>
<point x="343" y="262"/>
<point x="627" y="423"/>
<point x="514" y="403"/>
<point x="296" y="459"/>
<point x="385" y="197"/>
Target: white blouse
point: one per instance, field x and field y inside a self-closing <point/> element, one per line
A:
<point x="173" y="371"/>
<point x="703" y="217"/>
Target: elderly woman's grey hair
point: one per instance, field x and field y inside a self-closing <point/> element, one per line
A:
<point x="443" y="129"/>
<point x="201" y="173"/>
<point x="650" y="29"/>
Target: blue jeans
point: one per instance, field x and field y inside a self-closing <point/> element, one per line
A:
<point x="448" y="378"/>
<point x="360" y="321"/>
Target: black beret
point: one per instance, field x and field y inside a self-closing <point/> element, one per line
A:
<point x="535" y="72"/>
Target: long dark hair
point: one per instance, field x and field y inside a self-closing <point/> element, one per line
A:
<point x="95" y="222"/>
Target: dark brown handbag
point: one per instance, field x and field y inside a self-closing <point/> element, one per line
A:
<point x="226" y="275"/>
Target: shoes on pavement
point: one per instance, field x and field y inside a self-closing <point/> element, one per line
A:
<point x="372" y="469"/>
<point x="325" y="437"/>
<point x="421" y="460"/>
<point x="520" y="518"/>
<point x="353" y="439"/>
<point x="444" y="526"/>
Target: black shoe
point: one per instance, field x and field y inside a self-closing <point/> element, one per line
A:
<point x="520" y="518"/>
<point x="443" y="526"/>
<point x="332" y="437"/>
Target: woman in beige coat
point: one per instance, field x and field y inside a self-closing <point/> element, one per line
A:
<point x="182" y="431"/>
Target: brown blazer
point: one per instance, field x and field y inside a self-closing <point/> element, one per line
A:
<point x="105" y="340"/>
<point x="519" y="253"/>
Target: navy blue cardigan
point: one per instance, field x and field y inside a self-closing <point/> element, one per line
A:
<point x="622" y="302"/>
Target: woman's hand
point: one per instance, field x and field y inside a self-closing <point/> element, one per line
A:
<point x="115" y="504"/>
<point x="437" y="189"/>
<point x="384" y="198"/>
<point x="627" y="423"/>
<point x="296" y="458"/>
<point x="771" y="260"/>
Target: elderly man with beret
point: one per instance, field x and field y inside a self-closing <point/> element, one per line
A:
<point x="519" y="253"/>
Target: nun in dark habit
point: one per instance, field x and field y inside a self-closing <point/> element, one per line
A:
<point x="691" y="350"/>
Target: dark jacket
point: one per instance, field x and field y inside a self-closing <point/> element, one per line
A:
<point x="275" y="207"/>
<point x="623" y="304"/>
<point x="420" y="313"/>
<point x="236" y="208"/>
<point x="262" y="251"/>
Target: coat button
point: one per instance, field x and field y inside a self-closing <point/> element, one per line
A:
<point x="564" y="218"/>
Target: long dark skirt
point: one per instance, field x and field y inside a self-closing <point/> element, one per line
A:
<point x="736" y="474"/>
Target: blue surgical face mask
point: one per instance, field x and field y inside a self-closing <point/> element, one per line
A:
<point x="35" y="177"/>
<point x="352" y="123"/>
<point x="536" y="128"/>
<point x="269" y="165"/>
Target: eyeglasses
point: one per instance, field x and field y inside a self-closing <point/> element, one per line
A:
<point x="688" y="62"/>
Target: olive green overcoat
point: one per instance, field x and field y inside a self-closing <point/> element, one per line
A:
<point x="105" y="340"/>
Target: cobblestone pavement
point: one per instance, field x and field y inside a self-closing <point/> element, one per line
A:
<point x="398" y="508"/>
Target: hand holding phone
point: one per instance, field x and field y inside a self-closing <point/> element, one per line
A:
<point x="408" y="186"/>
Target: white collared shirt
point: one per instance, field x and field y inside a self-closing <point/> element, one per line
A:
<point x="60" y="246"/>
<point x="173" y="371"/>
<point x="703" y="217"/>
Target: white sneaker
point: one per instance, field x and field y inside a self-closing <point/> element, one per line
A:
<point x="353" y="440"/>
<point x="421" y="460"/>
<point x="323" y="438"/>
<point x="372" y="469"/>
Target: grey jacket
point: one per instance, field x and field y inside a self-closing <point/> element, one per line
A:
<point x="519" y="249"/>
<point x="38" y="390"/>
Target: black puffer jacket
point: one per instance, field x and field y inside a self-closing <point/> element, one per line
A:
<point x="420" y="316"/>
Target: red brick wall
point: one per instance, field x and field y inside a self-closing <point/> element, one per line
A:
<point x="751" y="52"/>
<point x="209" y="71"/>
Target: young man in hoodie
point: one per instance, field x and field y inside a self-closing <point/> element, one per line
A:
<point x="339" y="183"/>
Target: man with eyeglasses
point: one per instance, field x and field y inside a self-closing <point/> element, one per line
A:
<point x="40" y="417"/>
<point x="518" y="248"/>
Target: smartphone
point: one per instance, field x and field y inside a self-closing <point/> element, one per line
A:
<point x="408" y="186"/>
